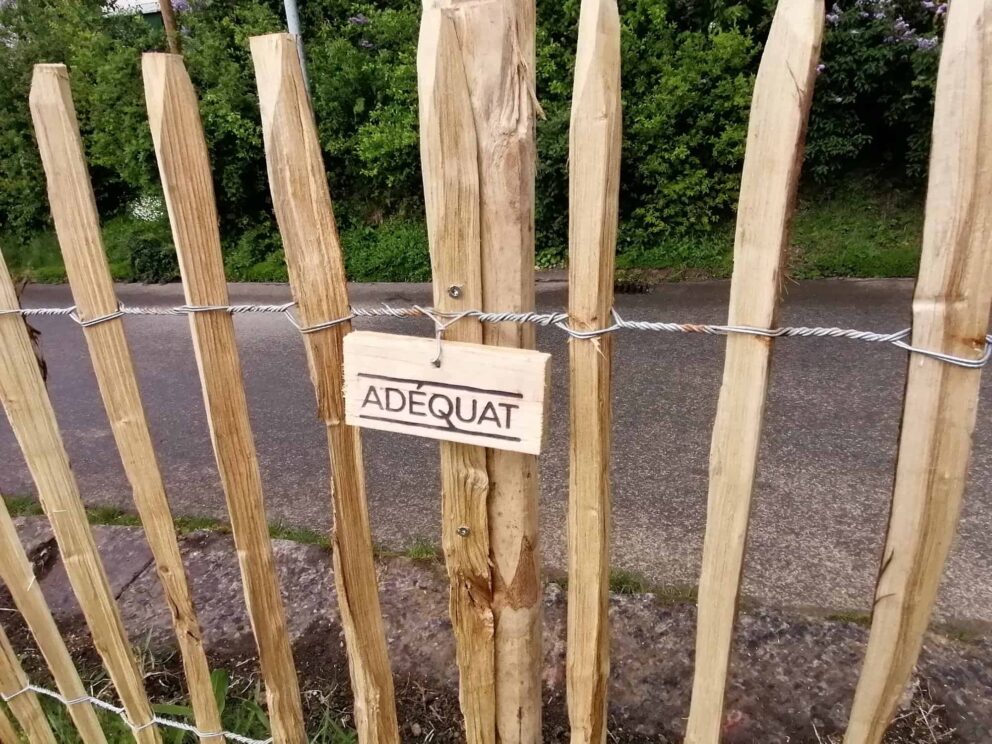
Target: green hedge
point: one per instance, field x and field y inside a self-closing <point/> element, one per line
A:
<point x="688" y="69"/>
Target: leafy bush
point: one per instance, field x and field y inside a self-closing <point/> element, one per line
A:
<point x="394" y="251"/>
<point x="688" y="71"/>
<point x="873" y="103"/>
<point x="145" y="247"/>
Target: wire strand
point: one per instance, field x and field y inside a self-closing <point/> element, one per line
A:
<point x="442" y="320"/>
<point x="122" y="714"/>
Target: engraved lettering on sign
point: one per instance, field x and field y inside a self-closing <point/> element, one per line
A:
<point x="442" y="406"/>
<point x="481" y="395"/>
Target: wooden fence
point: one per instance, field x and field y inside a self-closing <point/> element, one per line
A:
<point x="478" y="108"/>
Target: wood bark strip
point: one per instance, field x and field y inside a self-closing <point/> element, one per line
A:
<point x="25" y="706"/>
<point x="177" y="133"/>
<point x="776" y="131"/>
<point x="594" y="191"/>
<point x="77" y="225"/>
<point x="316" y="274"/>
<point x="17" y="574"/>
<point x="497" y="40"/>
<point x="950" y="315"/>
<point x="33" y="422"/>
<point x="448" y="154"/>
<point x="7" y="730"/>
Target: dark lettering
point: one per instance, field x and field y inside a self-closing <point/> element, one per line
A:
<point x="389" y="398"/>
<point x="489" y="414"/>
<point x="458" y="410"/>
<point x="372" y="396"/>
<point x="509" y="408"/>
<point x="444" y="415"/>
<point x="416" y="399"/>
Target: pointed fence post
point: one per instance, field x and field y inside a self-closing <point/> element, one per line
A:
<point x="950" y="316"/>
<point x="316" y="274"/>
<point x="497" y="42"/>
<point x="594" y="191"/>
<point x="173" y="113"/>
<point x="783" y="91"/>
<point x="24" y="705"/>
<point x="32" y="419"/>
<point x="17" y="574"/>
<point x="449" y="153"/>
<point x="77" y="225"/>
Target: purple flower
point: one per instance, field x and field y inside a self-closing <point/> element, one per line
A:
<point x="181" y="5"/>
<point x="366" y="44"/>
<point x="832" y="18"/>
<point x="941" y="9"/>
<point x="359" y="20"/>
<point x="926" y="43"/>
<point x="820" y="68"/>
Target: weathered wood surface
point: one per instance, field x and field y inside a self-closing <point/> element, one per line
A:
<point x="448" y="156"/>
<point x="77" y="226"/>
<point x="33" y="422"/>
<point x="776" y="131"/>
<point x="25" y="706"/>
<point x="950" y="315"/>
<point x="496" y="40"/>
<point x="594" y="190"/>
<point x="177" y="133"/>
<point x="476" y="395"/>
<point x="7" y="731"/>
<point x="17" y="574"/>
<point x="316" y="273"/>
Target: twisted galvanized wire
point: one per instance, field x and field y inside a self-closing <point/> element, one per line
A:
<point x="442" y="320"/>
<point x="122" y="714"/>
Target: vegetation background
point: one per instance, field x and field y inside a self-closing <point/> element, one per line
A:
<point x="688" y="70"/>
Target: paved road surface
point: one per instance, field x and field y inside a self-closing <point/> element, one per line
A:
<point x="826" y="463"/>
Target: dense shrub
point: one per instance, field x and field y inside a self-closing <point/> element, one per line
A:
<point x="688" y="69"/>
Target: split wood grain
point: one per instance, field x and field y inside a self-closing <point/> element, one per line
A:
<point x="497" y="42"/>
<point x="298" y="183"/>
<point x="17" y="574"/>
<point x="950" y="315"/>
<point x="25" y="706"/>
<point x="776" y="132"/>
<point x="448" y="156"/>
<point x="7" y="730"/>
<point x="33" y="422"/>
<point x="77" y="226"/>
<point x="184" y="168"/>
<point x="594" y="192"/>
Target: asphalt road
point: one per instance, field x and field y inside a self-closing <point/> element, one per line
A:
<point x="824" y="480"/>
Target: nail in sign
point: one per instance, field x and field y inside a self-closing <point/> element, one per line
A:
<point x="484" y="395"/>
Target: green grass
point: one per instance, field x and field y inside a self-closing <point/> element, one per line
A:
<point x="241" y="713"/>
<point x="857" y="231"/>
<point x="857" y="228"/>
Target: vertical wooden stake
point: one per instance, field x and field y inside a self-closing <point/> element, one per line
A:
<point x="594" y="192"/>
<point x="782" y="94"/>
<point x="316" y="274"/>
<point x="17" y="573"/>
<point x="173" y="113"/>
<point x="78" y="227"/>
<point x="25" y="706"/>
<point x="496" y="40"/>
<point x="169" y="22"/>
<point x="32" y="419"/>
<point x="448" y="153"/>
<point x="7" y="731"/>
<point x="950" y="315"/>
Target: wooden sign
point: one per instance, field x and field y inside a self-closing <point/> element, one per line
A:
<point x="483" y="395"/>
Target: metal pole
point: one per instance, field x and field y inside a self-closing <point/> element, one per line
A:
<point x="293" y="26"/>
